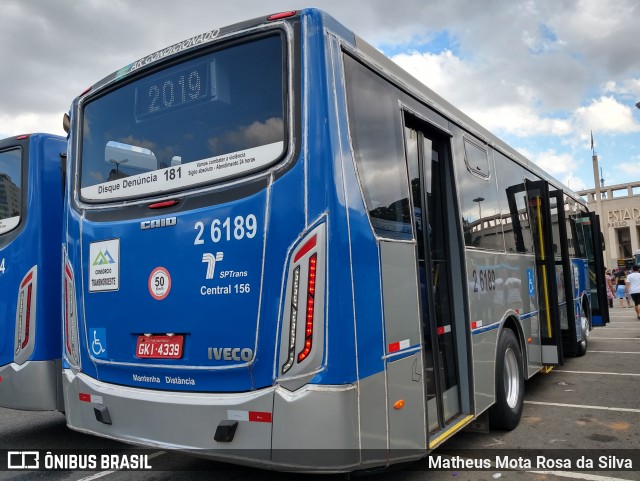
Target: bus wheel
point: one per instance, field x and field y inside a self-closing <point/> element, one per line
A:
<point x="507" y="410"/>
<point x="581" y="346"/>
<point x="585" y="315"/>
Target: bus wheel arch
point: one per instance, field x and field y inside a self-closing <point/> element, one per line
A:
<point x="506" y="412"/>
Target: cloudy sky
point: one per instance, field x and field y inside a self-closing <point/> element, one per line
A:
<point x="540" y="74"/>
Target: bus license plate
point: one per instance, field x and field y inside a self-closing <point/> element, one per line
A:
<point x="159" y="347"/>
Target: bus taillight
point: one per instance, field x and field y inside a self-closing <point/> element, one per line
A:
<point x="303" y="331"/>
<point x="25" y="316"/>
<point x="311" y="292"/>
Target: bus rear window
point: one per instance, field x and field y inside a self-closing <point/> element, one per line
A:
<point x="205" y="120"/>
<point x="10" y="189"/>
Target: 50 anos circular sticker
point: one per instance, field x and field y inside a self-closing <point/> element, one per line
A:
<point x="159" y="283"/>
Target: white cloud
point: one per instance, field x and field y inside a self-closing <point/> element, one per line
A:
<point x="31" y="122"/>
<point x="521" y="120"/>
<point x="557" y="164"/>
<point x="630" y="168"/>
<point x="454" y="79"/>
<point x="606" y="114"/>
<point x="576" y="183"/>
<point x="522" y="69"/>
<point x="629" y="87"/>
<point x="444" y="73"/>
<point x="562" y="166"/>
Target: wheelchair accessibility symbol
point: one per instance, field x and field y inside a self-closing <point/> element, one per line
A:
<point x="531" y="283"/>
<point x="99" y="343"/>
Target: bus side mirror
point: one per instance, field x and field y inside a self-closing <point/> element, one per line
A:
<point x="66" y="122"/>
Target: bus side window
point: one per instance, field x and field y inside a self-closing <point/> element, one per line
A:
<point x="479" y="206"/>
<point x="517" y="231"/>
<point x="376" y="131"/>
<point x="10" y="189"/>
<point x="569" y="210"/>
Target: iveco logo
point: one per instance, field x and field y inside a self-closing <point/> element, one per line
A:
<point x="154" y="224"/>
<point x="230" y="354"/>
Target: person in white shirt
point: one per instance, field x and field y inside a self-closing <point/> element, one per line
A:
<point x="633" y="288"/>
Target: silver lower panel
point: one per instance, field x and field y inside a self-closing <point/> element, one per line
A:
<point x="312" y="429"/>
<point x="32" y="386"/>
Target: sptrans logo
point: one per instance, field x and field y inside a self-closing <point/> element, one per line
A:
<point x="211" y="260"/>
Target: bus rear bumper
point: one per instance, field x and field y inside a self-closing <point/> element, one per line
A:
<point x="32" y="386"/>
<point x="314" y="429"/>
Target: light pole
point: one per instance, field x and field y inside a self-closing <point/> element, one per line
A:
<point x="479" y="200"/>
<point x="117" y="163"/>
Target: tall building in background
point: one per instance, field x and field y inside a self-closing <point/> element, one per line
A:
<point x="619" y="210"/>
<point x="9" y="197"/>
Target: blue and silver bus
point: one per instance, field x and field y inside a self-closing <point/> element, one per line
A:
<point x="31" y="184"/>
<point x="282" y="250"/>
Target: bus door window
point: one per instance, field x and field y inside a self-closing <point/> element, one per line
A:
<point x="546" y="271"/>
<point x="424" y="168"/>
<point x="562" y="259"/>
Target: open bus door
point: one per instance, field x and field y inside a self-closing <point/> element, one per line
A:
<point x="599" y="303"/>
<point x="570" y="317"/>
<point x="446" y="362"/>
<point x="545" y="248"/>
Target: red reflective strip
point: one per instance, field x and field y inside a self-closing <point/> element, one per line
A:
<point x="259" y="417"/>
<point x="66" y="316"/>
<point x="68" y="271"/>
<point x="0" y="378"/>
<point x="311" y="243"/>
<point x="27" y="322"/>
<point x="394" y="347"/>
<point x="278" y="16"/>
<point x="84" y="397"/>
<point x="22" y="137"/>
<point x="160" y="205"/>
<point x="440" y="331"/>
<point x="27" y="280"/>
<point x="311" y="291"/>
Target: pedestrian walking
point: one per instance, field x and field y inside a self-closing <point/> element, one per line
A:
<point x="611" y="289"/>
<point x="633" y="288"/>
<point x="621" y="289"/>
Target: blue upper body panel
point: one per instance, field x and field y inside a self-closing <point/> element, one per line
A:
<point x="30" y="253"/>
<point x="226" y="258"/>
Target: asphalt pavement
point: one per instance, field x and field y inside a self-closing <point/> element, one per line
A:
<point x="589" y="408"/>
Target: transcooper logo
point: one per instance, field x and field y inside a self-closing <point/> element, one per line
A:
<point x="103" y="258"/>
<point x="104" y="265"/>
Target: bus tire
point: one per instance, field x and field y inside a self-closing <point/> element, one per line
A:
<point x="581" y="347"/>
<point x="506" y="412"/>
